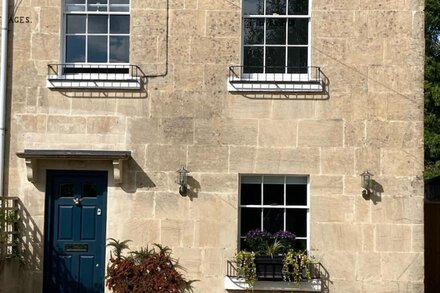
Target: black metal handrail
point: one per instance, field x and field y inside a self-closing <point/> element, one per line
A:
<point x="108" y="72"/>
<point x="278" y="74"/>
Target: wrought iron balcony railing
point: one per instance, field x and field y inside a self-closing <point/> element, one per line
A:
<point x="95" y="76"/>
<point x="8" y="227"/>
<point x="277" y="79"/>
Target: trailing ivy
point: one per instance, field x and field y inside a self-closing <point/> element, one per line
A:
<point x="246" y="267"/>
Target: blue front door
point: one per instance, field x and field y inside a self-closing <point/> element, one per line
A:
<point x="75" y="231"/>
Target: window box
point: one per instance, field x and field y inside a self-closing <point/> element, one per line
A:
<point x="95" y="77"/>
<point x="301" y="80"/>
<point x="269" y="268"/>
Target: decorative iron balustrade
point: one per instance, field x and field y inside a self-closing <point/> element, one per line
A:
<point x="95" y="76"/>
<point x="284" y="79"/>
<point x="9" y="218"/>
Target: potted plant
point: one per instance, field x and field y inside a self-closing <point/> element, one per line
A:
<point x="246" y="267"/>
<point x="269" y="250"/>
<point x="296" y="266"/>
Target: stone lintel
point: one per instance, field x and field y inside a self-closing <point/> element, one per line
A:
<point x="32" y="156"/>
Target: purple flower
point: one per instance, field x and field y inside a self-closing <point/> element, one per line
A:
<point x="257" y="233"/>
<point x="287" y="235"/>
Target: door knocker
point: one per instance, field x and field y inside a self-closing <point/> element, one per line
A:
<point x="77" y="200"/>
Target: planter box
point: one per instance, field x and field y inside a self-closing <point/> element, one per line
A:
<point x="269" y="268"/>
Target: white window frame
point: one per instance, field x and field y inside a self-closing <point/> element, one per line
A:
<point x="306" y="178"/>
<point x="85" y="12"/>
<point x="277" y="76"/>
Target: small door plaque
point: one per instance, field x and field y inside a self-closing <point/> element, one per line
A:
<point x="76" y="247"/>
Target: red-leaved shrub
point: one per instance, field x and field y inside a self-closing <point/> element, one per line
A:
<point x="144" y="271"/>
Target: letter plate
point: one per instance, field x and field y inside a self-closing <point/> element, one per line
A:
<point x="76" y="247"/>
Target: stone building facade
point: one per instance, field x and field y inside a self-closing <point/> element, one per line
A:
<point x="369" y="116"/>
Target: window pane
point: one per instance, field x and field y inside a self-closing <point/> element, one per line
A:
<point x="119" y="5"/>
<point x="273" y="220"/>
<point x="253" y="60"/>
<point x="75" y="1"/>
<point x="276" y="31"/>
<point x="253" y="31"/>
<point x="253" y="7"/>
<point x="297" y="60"/>
<point x="296" y="221"/>
<point x="119" y="24"/>
<point x="250" y="220"/>
<point x="250" y="194"/>
<point x="75" y="7"/>
<point x="119" y="48"/>
<point x="66" y="190"/>
<point x="276" y="7"/>
<point x="89" y="190"/>
<point x="75" y="24"/>
<point x="98" y="24"/>
<point x="273" y="194"/>
<point x="298" y="7"/>
<point x="296" y="194"/>
<point x="75" y="49"/>
<point x="97" y="5"/>
<point x="300" y="244"/>
<point x="275" y="59"/>
<point x="97" y="49"/>
<point x="120" y="2"/>
<point x="298" y="31"/>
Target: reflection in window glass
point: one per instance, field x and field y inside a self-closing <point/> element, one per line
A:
<point x="297" y="61"/>
<point x="253" y="220"/>
<point x="299" y="7"/>
<point x="275" y="59"/>
<point x="273" y="220"/>
<point x="253" y="59"/>
<point x="298" y="31"/>
<point x="119" y="48"/>
<point x="75" y="24"/>
<point x="66" y="190"/>
<point x="275" y="7"/>
<point x="97" y="49"/>
<point x="253" y="7"/>
<point x="296" y="221"/>
<point x="253" y="31"/>
<point x="75" y="49"/>
<point x="296" y="194"/>
<point x="250" y="194"/>
<point x="98" y="24"/>
<point x="119" y="24"/>
<point x="89" y="190"/>
<point x="273" y="194"/>
<point x="276" y="31"/>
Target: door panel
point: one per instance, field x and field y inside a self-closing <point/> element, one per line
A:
<point x="75" y="231"/>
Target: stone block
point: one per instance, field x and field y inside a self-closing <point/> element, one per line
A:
<point x="188" y="77"/>
<point x="354" y="133"/>
<point x="402" y="267"/>
<point x="367" y="159"/>
<point x="226" y="50"/>
<point x="277" y="133"/>
<point x="171" y="232"/>
<point x="293" y="109"/>
<point x="189" y="258"/>
<point x="132" y="107"/>
<point x="404" y="162"/>
<point x="49" y="17"/>
<point x="394" y="134"/>
<point x="44" y="46"/>
<point x="170" y="206"/>
<point x="401" y="210"/>
<point x="337" y="161"/>
<point x="242" y="159"/>
<point x="389" y="24"/>
<point x="335" y="5"/>
<point x="331" y="237"/>
<point x="241" y="107"/>
<point x="208" y="158"/>
<point x="322" y="133"/>
<point x="106" y="125"/>
<point x="288" y="161"/>
<point x="53" y="103"/>
<point x="212" y="262"/>
<point x="364" y="51"/>
<point x="382" y="5"/>
<point x="392" y="237"/>
<point x="368" y="266"/>
<point x="223" y="23"/>
<point x="326" y="185"/>
<point x="31" y="123"/>
<point x="342" y="265"/>
<point x="226" y="132"/>
<point x="418" y="238"/>
<point x="66" y="124"/>
<point x="404" y="107"/>
<point x="368" y="238"/>
<point x="219" y="183"/>
<point x="219" y="5"/>
<point x="194" y="21"/>
<point x="90" y="106"/>
<point x="217" y="234"/>
<point x="165" y="157"/>
<point x="215" y="207"/>
<point x="362" y="210"/>
<point x="331" y="209"/>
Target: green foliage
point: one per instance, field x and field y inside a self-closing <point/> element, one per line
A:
<point x="432" y="88"/>
<point x="296" y="266"/>
<point x="274" y="248"/>
<point x="246" y="267"/>
<point x="144" y="271"/>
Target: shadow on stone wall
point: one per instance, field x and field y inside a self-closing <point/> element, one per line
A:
<point x="135" y="177"/>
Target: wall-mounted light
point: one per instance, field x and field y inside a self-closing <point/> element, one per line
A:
<point x="366" y="180"/>
<point x="182" y="180"/>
